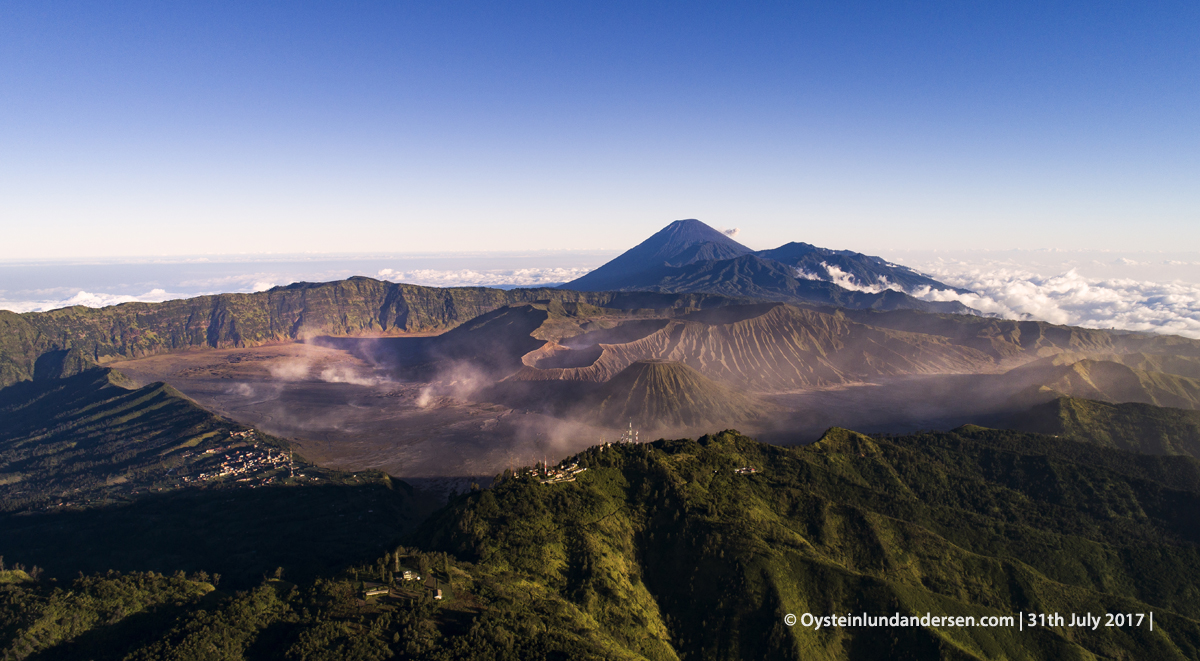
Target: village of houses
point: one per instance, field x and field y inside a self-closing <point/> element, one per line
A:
<point x="242" y="460"/>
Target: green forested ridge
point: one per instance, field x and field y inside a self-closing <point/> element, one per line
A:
<point x="346" y="307"/>
<point x="1135" y="427"/>
<point x="974" y="522"/>
<point x="664" y="551"/>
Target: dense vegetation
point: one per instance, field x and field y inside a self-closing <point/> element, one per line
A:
<point x="1135" y="427"/>
<point x="666" y="551"/>
<point x="669" y="538"/>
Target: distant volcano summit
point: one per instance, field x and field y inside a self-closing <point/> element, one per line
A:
<point x="688" y="256"/>
<point x="681" y="243"/>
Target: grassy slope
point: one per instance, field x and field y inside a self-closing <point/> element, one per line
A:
<point x="1143" y="428"/>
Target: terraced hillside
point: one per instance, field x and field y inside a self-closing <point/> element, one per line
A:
<point x="92" y="438"/>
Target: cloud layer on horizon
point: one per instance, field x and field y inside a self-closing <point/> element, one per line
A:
<point x="1012" y="291"/>
<point x="1071" y="299"/>
<point x="91" y="300"/>
<point x="1003" y="287"/>
<point x="530" y="277"/>
<point x="262" y="281"/>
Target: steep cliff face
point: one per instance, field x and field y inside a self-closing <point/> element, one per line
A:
<point x="347" y="307"/>
<point x="18" y="348"/>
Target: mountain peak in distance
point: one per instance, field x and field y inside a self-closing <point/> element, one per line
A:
<point x="678" y="244"/>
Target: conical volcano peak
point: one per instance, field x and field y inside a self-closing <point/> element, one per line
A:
<point x="678" y="244"/>
<point x="689" y="256"/>
<point x="680" y="235"/>
<point x="654" y="393"/>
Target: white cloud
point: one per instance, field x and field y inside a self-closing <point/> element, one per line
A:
<point x="731" y="232"/>
<point x="1072" y="299"/>
<point x="532" y="277"/>
<point x="88" y="299"/>
<point x="845" y="280"/>
<point x="1153" y="292"/>
<point x="1014" y="290"/>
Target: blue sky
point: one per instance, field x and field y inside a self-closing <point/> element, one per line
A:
<point x="188" y="128"/>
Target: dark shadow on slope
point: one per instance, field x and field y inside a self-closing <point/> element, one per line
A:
<point x="492" y="342"/>
<point x="393" y="352"/>
<point x="238" y="533"/>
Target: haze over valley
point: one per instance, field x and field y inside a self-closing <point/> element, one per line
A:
<point x="434" y="392"/>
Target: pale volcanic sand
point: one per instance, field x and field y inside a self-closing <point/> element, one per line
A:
<point x="896" y="405"/>
<point x="344" y="413"/>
